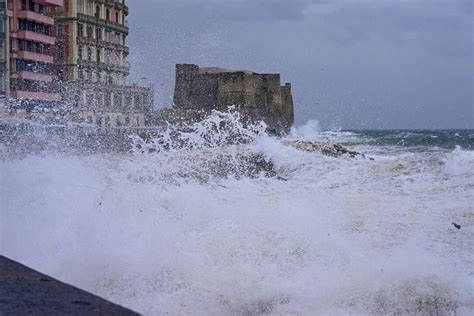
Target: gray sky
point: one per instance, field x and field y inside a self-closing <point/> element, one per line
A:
<point x="352" y="63"/>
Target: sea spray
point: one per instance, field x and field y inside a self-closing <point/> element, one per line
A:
<point x="155" y="230"/>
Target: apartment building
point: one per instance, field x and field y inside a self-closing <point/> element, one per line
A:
<point x="91" y="44"/>
<point x="32" y="40"/>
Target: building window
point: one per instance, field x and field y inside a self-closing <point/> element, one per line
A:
<point x="30" y="66"/>
<point x="41" y="9"/>
<point x="107" y="15"/>
<point x="80" y="6"/>
<point x="98" y="33"/>
<point x="79" y="52"/>
<point x="108" y="36"/>
<point x="80" y="30"/>
<point x="116" y="17"/>
<point x="97" y="11"/>
<point x="89" y="53"/>
<point x="90" y="7"/>
<point x="26" y="25"/>
<point x="60" y="29"/>
<point x="89" y="31"/>
<point x="32" y="6"/>
<point x="98" y="55"/>
<point x="60" y="52"/>
<point x="23" y="5"/>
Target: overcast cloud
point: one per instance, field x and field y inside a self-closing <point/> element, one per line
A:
<point x="353" y="64"/>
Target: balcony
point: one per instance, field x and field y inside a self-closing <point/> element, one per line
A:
<point x="27" y="75"/>
<point x="58" y="3"/>
<point x="35" y="57"/>
<point x="37" y="37"/>
<point x="43" y="96"/>
<point x="33" y="16"/>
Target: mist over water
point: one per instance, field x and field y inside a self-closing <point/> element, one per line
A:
<point x="198" y="229"/>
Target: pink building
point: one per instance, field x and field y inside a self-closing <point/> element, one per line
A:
<point x="32" y="49"/>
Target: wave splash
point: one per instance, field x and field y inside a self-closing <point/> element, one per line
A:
<point x="217" y="147"/>
<point x="188" y="223"/>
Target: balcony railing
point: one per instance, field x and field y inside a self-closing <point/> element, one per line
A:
<point x="35" y="16"/>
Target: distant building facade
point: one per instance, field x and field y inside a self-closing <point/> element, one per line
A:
<point x="258" y="96"/>
<point x="108" y="105"/>
<point x="92" y="68"/>
<point x="30" y="52"/>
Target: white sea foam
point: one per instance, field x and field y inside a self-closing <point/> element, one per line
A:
<point x="341" y="236"/>
<point x="308" y="131"/>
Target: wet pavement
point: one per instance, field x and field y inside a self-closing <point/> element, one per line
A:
<point x="24" y="291"/>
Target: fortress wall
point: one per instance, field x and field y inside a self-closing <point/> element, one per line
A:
<point x="258" y="96"/>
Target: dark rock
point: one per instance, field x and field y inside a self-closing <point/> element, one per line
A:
<point x="327" y="149"/>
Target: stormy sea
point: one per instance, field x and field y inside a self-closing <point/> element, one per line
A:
<point x="223" y="219"/>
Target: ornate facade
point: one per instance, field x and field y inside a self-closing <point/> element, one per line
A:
<point x="92" y="68"/>
<point x="91" y="45"/>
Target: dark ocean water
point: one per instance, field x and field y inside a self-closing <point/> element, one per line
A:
<point x="443" y="139"/>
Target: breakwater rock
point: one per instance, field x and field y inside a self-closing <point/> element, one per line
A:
<point x="327" y="149"/>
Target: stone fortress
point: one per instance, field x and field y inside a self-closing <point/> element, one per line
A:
<point x="257" y="96"/>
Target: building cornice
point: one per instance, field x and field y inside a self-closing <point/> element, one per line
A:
<point x="87" y="19"/>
